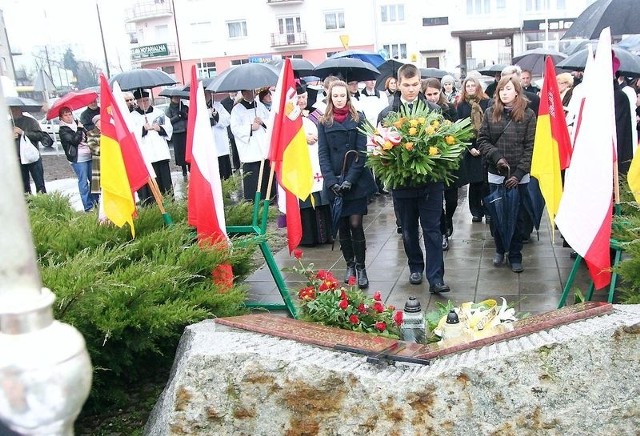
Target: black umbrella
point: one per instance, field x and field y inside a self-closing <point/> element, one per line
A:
<point x="175" y="92"/>
<point x="534" y="203"/>
<point x="143" y="78"/>
<point x="629" y="63"/>
<point x="205" y="82"/>
<point x="502" y="205"/>
<point x="534" y="60"/>
<point x="436" y="73"/>
<point x="620" y="15"/>
<point x="301" y="67"/>
<point x="492" y="70"/>
<point x="246" y="76"/>
<point x="348" y="69"/>
<point x="25" y="104"/>
<point x="387" y="69"/>
<point x="336" y="205"/>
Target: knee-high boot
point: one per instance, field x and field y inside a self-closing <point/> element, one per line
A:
<point x="346" y="246"/>
<point x="359" y="248"/>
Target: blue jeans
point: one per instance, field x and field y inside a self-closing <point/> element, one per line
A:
<point x="422" y="207"/>
<point x="37" y="173"/>
<point x="83" y="171"/>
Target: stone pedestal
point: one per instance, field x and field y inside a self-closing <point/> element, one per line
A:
<point x="567" y="380"/>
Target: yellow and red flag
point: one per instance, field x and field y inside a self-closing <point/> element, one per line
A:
<point x="122" y="168"/>
<point x="289" y="152"/>
<point x="552" y="145"/>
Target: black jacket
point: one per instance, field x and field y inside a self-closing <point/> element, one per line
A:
<point x="508" y="139"/>
<point x="70" y="141"/>
<point x="86" y="117"/>
<point x="395" y="105"/>
<point x="333" y="143"/>
<point x="32" y="130"/>
<point x="177" y="114"/>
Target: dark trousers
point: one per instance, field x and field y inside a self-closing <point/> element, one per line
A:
<point x="37" y="173"/>
<point x="163" y="178"/>
<point x="515" y="248"/>
<point x="477" y="191"/>
<point x="422" y="206"/>
<point x="450" y="206"/>
<point x="250" y="173"/>
<point x="224" y="165"/>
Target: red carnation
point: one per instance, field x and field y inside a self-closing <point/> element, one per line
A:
<point x="343" y="294"/>
<point x="362" y="308"/>
<point x="343" y="304"/>
<point x="381" y="326"/>
<point x="353" y="319"/>
<point x="377" y="296"/>
<point x="352" y="280"/>
<point x="398" y="317"/>
<point x="378" y="307"/>
<point x="322" y="274"/>
<point x="297" y="253"/>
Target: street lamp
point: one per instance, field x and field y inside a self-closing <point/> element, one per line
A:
<point x="45" y="371"/>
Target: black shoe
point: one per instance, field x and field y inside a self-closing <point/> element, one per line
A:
<point x="415" y="278"/>
<point x="476" y="219"/>
<point x="362" y="279"/>
<point x="516" y="267"/>
<point x="498" y="259"/>
<point x="399" y="230"/>
<point x="438" y="288"/>
<point x="445" y="243"/>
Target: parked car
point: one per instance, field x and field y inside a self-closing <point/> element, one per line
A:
<point x="52" y="127"/>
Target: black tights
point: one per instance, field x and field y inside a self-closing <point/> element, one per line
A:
<point x="351" y="228"/>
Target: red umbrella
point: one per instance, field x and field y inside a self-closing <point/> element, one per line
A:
<point x="72" y="100"/>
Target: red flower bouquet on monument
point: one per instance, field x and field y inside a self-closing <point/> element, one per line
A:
<point x="325" y="300"/>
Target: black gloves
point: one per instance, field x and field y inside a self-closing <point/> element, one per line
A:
<point x="336" y="190"/>
<point x="346" y="186"/>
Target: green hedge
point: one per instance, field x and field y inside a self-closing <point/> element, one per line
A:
<point x="132" y="298"/>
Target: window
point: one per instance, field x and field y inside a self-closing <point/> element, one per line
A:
<point x="501" y="4"/>
<point x="162" y="32"/>
<point x="537" y="5"/>
<point x="289" y="25"/>
<point x="201" y="32"/>
<point x="334" y="20"/>
<point x="171" y="70"/>
<point x="240" y="61"/>
<point x="396" y="51"/>
<point x="237" y="29"/>
<point x="479" y="7"/>
<point x="391" y="13"/>
<point x="206" y="69"/>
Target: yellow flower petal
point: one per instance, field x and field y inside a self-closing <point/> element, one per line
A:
<point x="433" y="151"/>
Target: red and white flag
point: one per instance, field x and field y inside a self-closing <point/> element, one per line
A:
<point x="205" y="208"/>
<point x="584" y="214"/>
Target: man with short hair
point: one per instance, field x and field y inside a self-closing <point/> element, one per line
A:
<point x="86" y="117"/>
<point x="525" y="81"/>
<point x="418" y="204"/>
<point x="131" y="102"/>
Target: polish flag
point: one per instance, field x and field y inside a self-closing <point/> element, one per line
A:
<point x="584" y="214"/>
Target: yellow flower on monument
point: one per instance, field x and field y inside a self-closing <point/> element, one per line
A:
<point x="431" y="130"/>
<point x="413" y="122"/>
<point x="409" y="146"/>
<point x="388" y="145"/>
<point x="433" y="151"/>
<point x="450" y="140"/>
<point x="413" y="131"/>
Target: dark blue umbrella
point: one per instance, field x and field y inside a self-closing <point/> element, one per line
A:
<point x="369" y="57"/>
<point x="502" y="204"/>
<point x="336" y="205"/>
<point x="534" y="202"/>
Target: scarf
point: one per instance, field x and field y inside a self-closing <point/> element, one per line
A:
<point x="340" y="114"/>
<point x="73" y="126"/>
<point x="476" y="114"/>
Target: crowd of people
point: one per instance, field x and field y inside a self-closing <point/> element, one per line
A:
<point x="502" y="117"/>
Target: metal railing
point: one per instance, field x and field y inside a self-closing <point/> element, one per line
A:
<point x="288" y="39"/>
<point x="150" y="9"/>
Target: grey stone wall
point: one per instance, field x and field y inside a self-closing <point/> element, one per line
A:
<point x="581" y="378"/>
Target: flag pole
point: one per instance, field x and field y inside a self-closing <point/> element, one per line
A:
<point x="616" y="184"/>
<point x="269" y="185"/>
<point x="155" y="190"/>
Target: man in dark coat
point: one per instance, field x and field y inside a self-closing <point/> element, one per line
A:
<point x="30" y="127"/>
<point x="623" y="128"/>
<point x="418" y="204"/>
<point x="86" y="117"/>
<point x="228" y="102"/>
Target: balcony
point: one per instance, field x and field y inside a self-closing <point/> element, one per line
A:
<point x="149" y="9"/>
<point x="284" y="2"/>
<point x="154" y="53"/>
<point x="279" y="40"/>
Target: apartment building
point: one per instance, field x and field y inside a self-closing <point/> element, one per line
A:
<point x="456" y="35"/>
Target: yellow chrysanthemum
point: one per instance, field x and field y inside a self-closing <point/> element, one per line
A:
<point x="409" y="146"/>
<point x="435" y="123"/>
<point x="387" y="145"/>
<point x="422" y="120"/>
<point x="433" y="151"/>
<point x="413" y="131"/>
<point x="430" y="130"/>
<point x="413" y="122"/>
<point x="450" y="140"/>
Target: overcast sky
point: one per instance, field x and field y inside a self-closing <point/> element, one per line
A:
<point x="32" y="24"/>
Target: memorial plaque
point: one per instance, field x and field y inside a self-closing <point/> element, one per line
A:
<point x="366" y="344"/>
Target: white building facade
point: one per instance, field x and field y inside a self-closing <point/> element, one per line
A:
<point x="456" y="35"/>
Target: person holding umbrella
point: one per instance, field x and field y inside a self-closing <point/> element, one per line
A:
<point x="219" y="118"/>
<point x="342" y="155"/>
<point x="178" y="113"/>
<point x="153" y="131"/>
<point x="506" y="140"/>
<point x="28" y="126"/>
